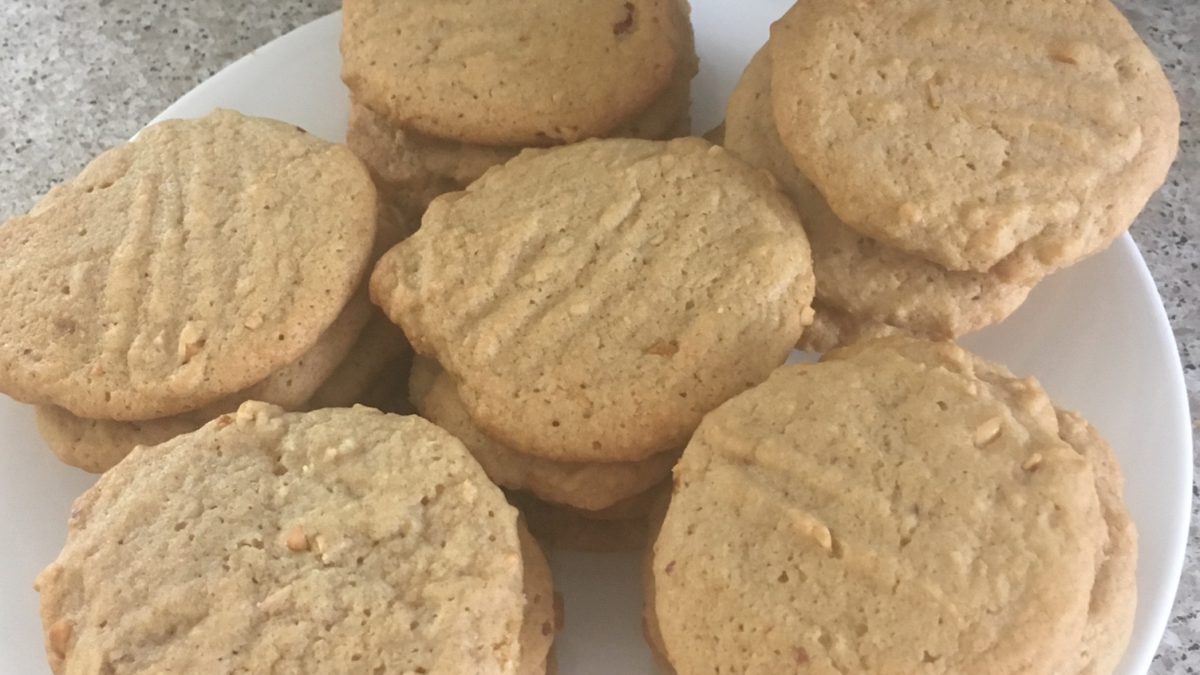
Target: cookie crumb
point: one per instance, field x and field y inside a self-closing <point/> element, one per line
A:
<point x="60" y="636"/>
<point x="987" y="432"/>
<point x="297" y="541"/>
<point x="932" y="95"/>
<point x="909" y="214"/>
<point x="662" y="348"/>
<point x="1070" y="53"/>
<point x="191" y="341"/>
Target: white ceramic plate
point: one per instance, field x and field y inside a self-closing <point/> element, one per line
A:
<point x="1095" y="335"/>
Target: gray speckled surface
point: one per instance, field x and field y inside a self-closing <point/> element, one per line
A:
<point x="80" y="76"/>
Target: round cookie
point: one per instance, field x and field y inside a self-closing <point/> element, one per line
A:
<point x="1017" y="136"/>
<point x="182" y="267"/>
<point x="412" y="168"/>
<point x="901" y="506"/>
<point x="541" y="620"/>
<point x="1113" y="600"/>
<point x="322" y="542"/>
<point x="585" y="485"/>
<point x="567" y="529"/>
<point x="859" y="275"/>
<point x="97" y="445"/>
<point x="490" y="73"/>
<point x="594" y="301"/>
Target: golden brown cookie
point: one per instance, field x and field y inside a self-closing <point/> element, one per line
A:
<point x="585" y="485"/>
<point x="97" y="445"/>
<point x="323" y="542"/>
<point x="412" y="168"/>
<point x="1016" y="136"/>
<point x="869" y="281"/>
<point x="901" y="506"/>
<point x="341" y="369"/>
<point x="594" y="301"/>
<point x="182" y="267"/>
<point x="535" y="73"/>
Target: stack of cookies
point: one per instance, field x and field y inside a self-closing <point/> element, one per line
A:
<point x="602" y="318"/>
<point x="582" y="308"/>
<point x="945" y="160"/>
<point x="206" y="263"/>
<point x="334" y="541"/>
<point x="440" y="92"/>
<point x="900" y="507"/>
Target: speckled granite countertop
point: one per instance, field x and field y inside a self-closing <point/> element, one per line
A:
<point x="80" y="76"/>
